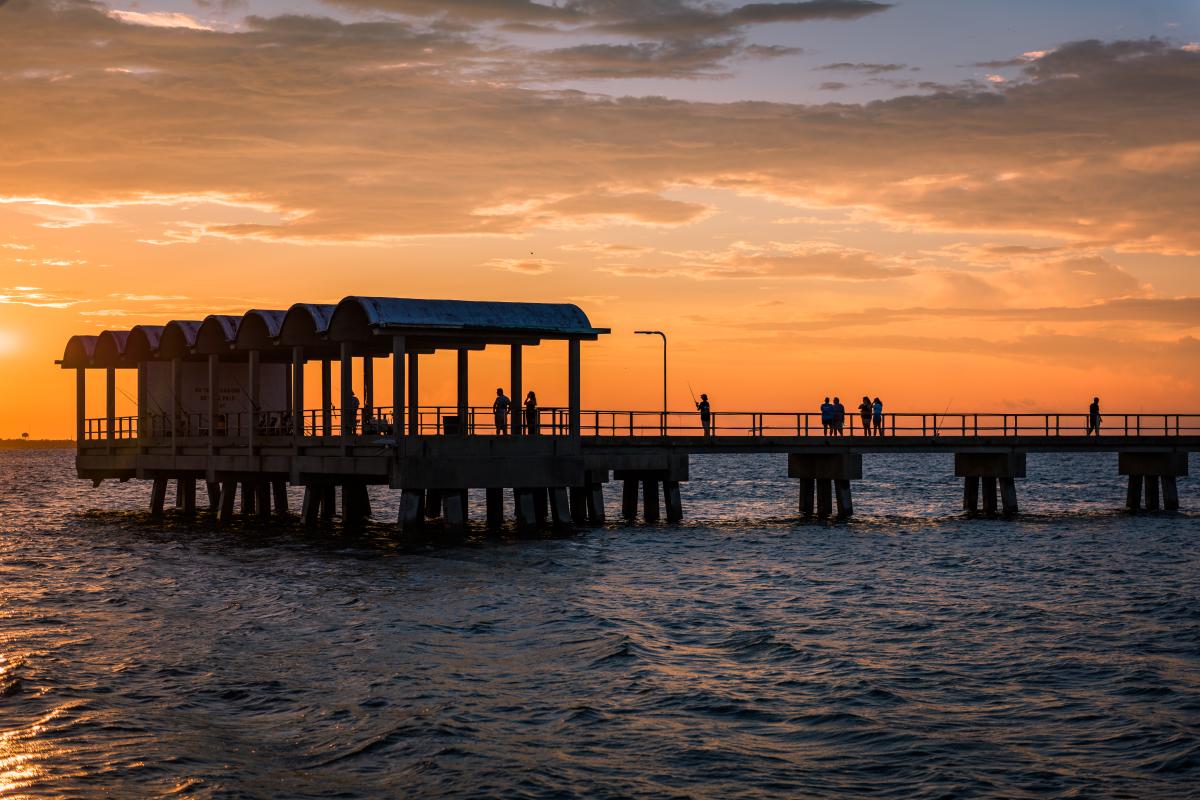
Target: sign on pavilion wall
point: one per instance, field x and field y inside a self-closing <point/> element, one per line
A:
<point x="233" y="388"/>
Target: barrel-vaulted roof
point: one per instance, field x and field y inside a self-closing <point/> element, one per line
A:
<point x="319" y="328"/>
<point x="356" y="317"/>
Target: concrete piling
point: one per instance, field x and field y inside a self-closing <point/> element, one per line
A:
<point x="279" y="497"/>
<point x="808" y="488"/>
<point x="989" y="495"/>
<point x="560" y="510"/>
<point x="629" y="498"/>
<point x="824" y="498"/>
<point x="595" y="503"/>
<point x="845" y="506"/>
<point x="828" y="476"/>
<point x="158" y="496"/>
<point x="411" y="516"/>
<point x="1150" y="485"/>
<point x="650" y="510"/>
<point x="579" y="503"/>
<point x="672" y="501"/>
<point x="993" y="475"/>
<point x="971" y="494"/>
<point x="1150" y="471"/>
<point x="228" y="501"/>
<point x="524" y="511"/>
<point x="495" y="508"/>
<point x="214" y="494"/>
<point x="1008" y="496"/>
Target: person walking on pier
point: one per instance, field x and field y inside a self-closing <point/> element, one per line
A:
<point x="827" y="417"/>
<point x="533" y="419"/>
<point x="350" y="416"/>
<point x="877" y="416"/>
<point x="839" y="417"/>
<point x="500" y="409"/>
<point x="864" y="412"/>
<point x="705" y="414"/>
<point x="1093" y="420"/>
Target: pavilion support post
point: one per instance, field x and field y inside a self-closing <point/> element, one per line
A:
<point x="672" y="501"/>
<point x="279" y="496"/>
<point x="398" y="348"/>
<point x="176" y="402"/>
<point x="326" y="397"/>
<point x="579" y="511"/>
<point x="573" y="388"/>
<point x="368" y="403"/>
<point x="516" y="418"/>
<point x="824" y="498"/>
<point x="650" y="505"/>
<point x="495" y="508"/>
<point x="214" y="494"/>
<point x="158" y="496"/>
<point x="414" y="395"/>
<point x="463" y="392"/>
<point x="971" y="494"/>
<point x="1150" y="482"/>
<point x="807" y="496"/>
<point x="214" y="366"/>
<point x="1008" y="496"/>
<point x="1170" y="491"/>
<point x="560" y="509"/>
<point x="228" y="501"/>
<point x="989" y="495"/>
<point x="80" y="405"/>
<point x="845" y="503"/>
<point x="252" y="379"/>
<point x="523" y="506"/>
<point x="349" y="423"/>
<point x="297" y="395"/>
<point x="629" y="499"/>
<point x="143" y="392"/>
<point x="110" y="405"/>
<point x="595" y="503"/>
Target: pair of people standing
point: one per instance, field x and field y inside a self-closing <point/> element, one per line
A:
<point x="871" y="413"/>
<point x="833" y="416"/>
<point x="500" y="408"/>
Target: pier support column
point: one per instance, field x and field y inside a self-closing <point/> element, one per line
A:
<point x="455" y="502"/>
<point x="579" y="511"/>
<point x="672" y="501"/>
<point x="989" y="495"/>
<point x="993" y="473"/>
<point x="262" y="492"/>
<point x="830" y="475"/>
<point x="433" y="503"/>
<point x="808" y="488"/>
<point x="412" y="510"/>
<point x="595" y="503"/>
<point x="560" y="510"/>
<point x="249" y="498"/>
<point x="310" y="509"/>
<point x="495" y="509"/>
<point x="187" y="488"/>
<point x="845" y="505"/>
<point x="650" y="510"/>
<point x="824" y="498"/>
<point x="214" y="494"/>
<point x="541" y="504"/>
<point x="279" y="496"/>
<point x="228" y="501"/>
<point x="158" y="496"/>
<point x="629" y="499"/>
<point x="524" y="512"/>
<point x="1152" y="470"/>
<point x="971" y="494"/>
<point x="328" y="501"/>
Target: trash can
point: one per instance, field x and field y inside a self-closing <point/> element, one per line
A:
<point x="452" y="425"/>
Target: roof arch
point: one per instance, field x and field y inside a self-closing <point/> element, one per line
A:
<point x="79" y="352"/>
<point x="110" y="349"/>
<point x="259" y="329"/>
<point x="178" y="338"/>
<point x="217" y="333"/>
<point x="305" y="324"/>
<point x="143" y="342"/>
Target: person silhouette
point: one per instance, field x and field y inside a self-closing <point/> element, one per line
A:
<point x="1093" y="419"/>
<point x="533" y="420"/>
<point x="705" y="414"/>
<point x="877" y="416"/>
<point x="864" y="412"/>
<point x="827" y="417"/>
<point x="839" y="416"/>
<point x="350" y="420"/>
<point x="500" y="410"/>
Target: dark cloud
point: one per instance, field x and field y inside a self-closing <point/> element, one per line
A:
<point x="869" y="69"/>
<point x="833" y="86"/>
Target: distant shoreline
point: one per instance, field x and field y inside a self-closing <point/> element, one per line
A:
<point x="37" y="444"/>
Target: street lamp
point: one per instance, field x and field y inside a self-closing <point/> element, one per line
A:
<point x="664" y="340"/>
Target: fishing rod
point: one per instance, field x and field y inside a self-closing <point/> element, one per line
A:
<point x="692" y="393"/>
<point x="944" y="413"/>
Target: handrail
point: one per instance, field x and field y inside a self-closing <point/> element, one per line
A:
<point x="555" y="421"/>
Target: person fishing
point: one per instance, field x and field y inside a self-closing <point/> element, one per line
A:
<point x="705" y="414"/>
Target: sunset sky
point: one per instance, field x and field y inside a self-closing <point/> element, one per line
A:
<point x="992" y="204"/>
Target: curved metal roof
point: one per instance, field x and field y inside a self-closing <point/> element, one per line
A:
<point x="546" y="319"/>
<point x="259" y="328"/>
<point x="143" y="342"/>
<point x="79" y="351"/>
<point x="217" y="333"/>
<point x="178" y="338"/>
<point x="110" y="349"/>
<point x="305" y="323"/>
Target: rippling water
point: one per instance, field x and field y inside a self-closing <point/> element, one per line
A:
<point x="909" y="653"/>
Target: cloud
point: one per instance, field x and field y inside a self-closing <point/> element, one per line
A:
<point x="159" y="19"/>
<point x="34" y="296"/>
<point x="522" y="266"/>
<point x="311" y="134"/>
<point x="868" y="68"/>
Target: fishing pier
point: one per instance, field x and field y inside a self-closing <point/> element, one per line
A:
<point x="221" y="402"/>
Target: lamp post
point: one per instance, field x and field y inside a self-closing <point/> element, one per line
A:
<point x="664" y="341"/>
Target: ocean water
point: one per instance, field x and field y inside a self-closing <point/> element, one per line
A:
<point x="907" y="653"/>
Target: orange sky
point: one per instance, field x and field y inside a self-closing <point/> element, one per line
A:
<point x="1016" y="240"/>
